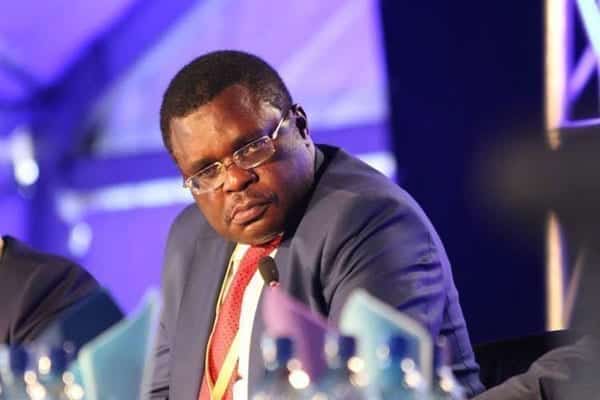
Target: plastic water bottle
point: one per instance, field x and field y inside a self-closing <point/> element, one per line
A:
<point x="398" y="377"/>
<point x="445" y="385"/>
<point x="52" y="374"/>
<point x="13" y="369"/>
<point x="284" y="378"/>
<point x="344" y="377"/>
<point x="51" y="365"/>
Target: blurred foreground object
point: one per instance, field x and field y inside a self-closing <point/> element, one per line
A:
<point x="380" y="354"/>
<point x="286" y="317"/>
<point x="36" y="374"/>
<point x="82" y="322"/>
<point x="528" y="178"/>
<point x="281" y="371"/>
<point x="525" y="177"/>
<point x="116" y="364"/>
<point x="374" y="323"/>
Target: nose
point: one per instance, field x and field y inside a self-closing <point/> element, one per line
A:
<point x="237" y="179"/>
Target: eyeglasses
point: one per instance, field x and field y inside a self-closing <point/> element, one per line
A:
<point x="246" y="157"/>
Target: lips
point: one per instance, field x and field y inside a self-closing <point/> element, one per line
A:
<point x="244" y="214"/>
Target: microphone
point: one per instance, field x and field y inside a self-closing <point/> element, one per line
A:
<point x="268" y="271"/>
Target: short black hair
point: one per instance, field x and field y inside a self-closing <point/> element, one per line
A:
<point x="208" y="75"/>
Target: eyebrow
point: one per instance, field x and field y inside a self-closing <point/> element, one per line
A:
<point x="241" y="141"/>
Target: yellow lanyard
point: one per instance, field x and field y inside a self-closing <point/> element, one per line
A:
<point x="226" y="372"/>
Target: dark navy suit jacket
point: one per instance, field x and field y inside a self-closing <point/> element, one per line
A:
<point x="358" y="230"/>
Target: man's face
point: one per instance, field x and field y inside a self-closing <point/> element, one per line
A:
<point x="252" y="206"/>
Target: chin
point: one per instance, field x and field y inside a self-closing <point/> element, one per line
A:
<point x="256" y="235"/>
<point x="259" y="238"/>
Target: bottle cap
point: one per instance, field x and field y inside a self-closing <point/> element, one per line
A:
<point x="397" y="348"/>
<point x="340" y="347"/>
<point x="279" y="349"/>
<point x="19" y="359"/>
<point x="59" y="358"/>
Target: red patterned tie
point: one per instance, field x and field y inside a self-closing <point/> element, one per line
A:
<point x="228" y="320"/>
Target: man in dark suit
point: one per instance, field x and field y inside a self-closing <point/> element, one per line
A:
<point x="35" y="289"/>
<point x="332" y="223"/>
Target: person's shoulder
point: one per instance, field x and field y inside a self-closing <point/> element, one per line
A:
<point x="345" y="178"/>
<point x="189" y="215"/>
<point x="188" y="228"/>
<point x="25" y="261"/>
<point x="35" y="287"/>
<point x="354" y="197"/>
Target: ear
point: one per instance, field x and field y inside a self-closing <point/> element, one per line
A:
<point x="301" y="119"/>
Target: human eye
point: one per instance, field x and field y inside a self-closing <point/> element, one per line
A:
<point x="252" y="148"/>
<point x="210" y="172"/>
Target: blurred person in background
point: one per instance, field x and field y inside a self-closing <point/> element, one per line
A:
<point x="36" y="289"/>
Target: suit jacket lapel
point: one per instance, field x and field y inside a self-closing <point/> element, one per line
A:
<point x="196" y="316"/>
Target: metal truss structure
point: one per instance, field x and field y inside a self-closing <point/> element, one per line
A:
<point x="572" y="71"/>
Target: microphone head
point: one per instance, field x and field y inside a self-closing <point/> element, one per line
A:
<point x="268" y="270"/>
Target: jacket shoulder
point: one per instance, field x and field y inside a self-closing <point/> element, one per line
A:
<point x="346" y="182"/>
<point x="35" y="287"/>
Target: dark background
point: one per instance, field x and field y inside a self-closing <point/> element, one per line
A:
<point x="465" y="76"/>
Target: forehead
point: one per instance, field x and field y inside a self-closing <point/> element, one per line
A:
<point x="218" y="127"/>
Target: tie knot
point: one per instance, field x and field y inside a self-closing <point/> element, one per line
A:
<point x="270" y="245"/>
